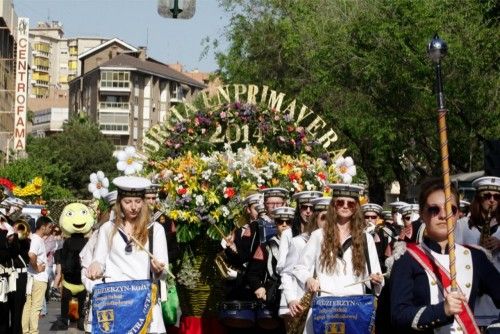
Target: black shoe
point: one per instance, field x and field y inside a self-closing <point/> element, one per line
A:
<point x="81" y="324"/>
<point x="60" y="325"/>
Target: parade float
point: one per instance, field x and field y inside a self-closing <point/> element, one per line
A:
<point x="210" y="153"/>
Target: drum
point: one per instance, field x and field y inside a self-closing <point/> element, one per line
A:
<point x="266" y="319"/>
<point x="237" y="314"/>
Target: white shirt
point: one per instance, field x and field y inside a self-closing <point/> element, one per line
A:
<point x="285" y="241"/>
<point x="291" y="289"/>
<point x="333" y="283"/>
<point x="119" y="265"/>
<point x="37" y="247"/>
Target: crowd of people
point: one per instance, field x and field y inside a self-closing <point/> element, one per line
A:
<point x="291" y="250"/>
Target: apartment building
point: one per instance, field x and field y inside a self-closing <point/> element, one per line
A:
<point x="126" y="92"/>
<point x="8" y="33"/>
<point x="55" y="58"/>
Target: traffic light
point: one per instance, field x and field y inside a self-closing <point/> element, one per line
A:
<point x="177" y="9"/>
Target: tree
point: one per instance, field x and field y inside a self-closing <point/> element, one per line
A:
<point x="363" y="66"/>
<point x="65" y="160"/>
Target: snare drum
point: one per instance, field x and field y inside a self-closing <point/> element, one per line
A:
<point x="266" y="319"/>
<point x="237" y="314"/>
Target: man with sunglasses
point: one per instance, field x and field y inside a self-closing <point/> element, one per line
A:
<point x="473" y="230"/>
<point x="420" y="293"/>
<point x="413" y="229"/>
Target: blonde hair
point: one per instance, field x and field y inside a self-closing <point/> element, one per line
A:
<point x="331" y="240"/>
<point x="140" y="227"/>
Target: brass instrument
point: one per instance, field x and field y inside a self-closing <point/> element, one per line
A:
<point x="485" y="230"/>
<point x="297" y="324"/>
<point x="22" y="227"/>
<point x="222" y="266"/>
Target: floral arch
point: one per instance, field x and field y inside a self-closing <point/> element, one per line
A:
<point x="209" y="154"/>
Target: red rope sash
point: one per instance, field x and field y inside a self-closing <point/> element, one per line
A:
<point x="441" y="275"/>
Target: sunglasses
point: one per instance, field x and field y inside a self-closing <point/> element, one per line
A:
<point x="340" y="203"/>
<point x="434" y="210"/>
<point x="371" y="217"/>
<point x="281" y="222"/>
<point x="488" y="196"/>
<point x="305" y="207"/>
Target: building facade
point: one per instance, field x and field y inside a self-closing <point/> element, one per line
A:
<point x="125" y="92"/>
<point x="8" y="34"/>
<point x="54" y="59"/>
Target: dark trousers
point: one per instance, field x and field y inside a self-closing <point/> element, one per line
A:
<point x="16" y="303"/>
<point x="65" y="299"/>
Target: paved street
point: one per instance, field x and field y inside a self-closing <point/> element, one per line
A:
<point x="47" y="321"/>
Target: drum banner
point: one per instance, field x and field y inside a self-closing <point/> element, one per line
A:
<point x="122" y="307"/>
<point x="344" y="315"/>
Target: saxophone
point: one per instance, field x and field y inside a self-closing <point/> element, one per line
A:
<point x="485" y="230"/>
<point x="297" y="324"/>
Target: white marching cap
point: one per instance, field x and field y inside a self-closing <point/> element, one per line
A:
<point x="321" y="203"/>
<point x="487" y="183"/>
<point x="283" y="213"/>
<point x="275" y="192"/>
<point x="253" y="199"/>
<point x="14" y="201"/>
<point x="110" y="197"/>
<point x="408" y="209"/>
<point x="304" y="197"/>
<point x="372" y="207"/>
<point x="131" y="186"/>
<point x="463" y="204"/>
<point x="260" y="208"/>
<point x="346" y="190"/>
<point x="396" y="205"/>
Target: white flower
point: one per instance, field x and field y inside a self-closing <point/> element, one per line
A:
<point x="229" y="178"/>
<point x="98" y="185"/>
<point x="128" y="161"/>
<point x="225" y="211"/>
<point x="345" y="168"/>
<point x="200" y="201"/>
<point x="206" y="174"/>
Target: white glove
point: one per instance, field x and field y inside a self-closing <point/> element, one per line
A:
<point x="223" y="243"/>
<point x="231" y="274"/>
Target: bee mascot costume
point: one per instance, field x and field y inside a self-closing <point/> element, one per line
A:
<point x="76" y="221"/>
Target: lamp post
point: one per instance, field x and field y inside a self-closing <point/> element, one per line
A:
<point x="437" y="50"/>
<point x="176" y="8"/>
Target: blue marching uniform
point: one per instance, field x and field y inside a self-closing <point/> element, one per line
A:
<point x="414" y="308"/>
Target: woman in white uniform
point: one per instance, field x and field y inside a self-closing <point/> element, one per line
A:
<point x="334" y="256"/>
<point x="117" y="257"/>
<point x="292" y="291"/>
<point x="482" y="229"/>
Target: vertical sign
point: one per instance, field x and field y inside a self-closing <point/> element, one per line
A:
<point x="21" y="88"/>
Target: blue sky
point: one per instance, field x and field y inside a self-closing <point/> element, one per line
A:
<point x="137" y="23"/>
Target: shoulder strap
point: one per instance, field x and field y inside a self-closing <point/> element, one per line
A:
<point x="150" y="239"/>
<point x="367" y="255"/>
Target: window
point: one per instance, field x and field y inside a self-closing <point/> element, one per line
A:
<point x="73" y="51"/>
<point x="72" y="64"/>
<point x="115" y="79"/>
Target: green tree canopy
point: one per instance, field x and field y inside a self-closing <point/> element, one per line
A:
<point x="65" y="160"/>
<point x="363" y="66"/>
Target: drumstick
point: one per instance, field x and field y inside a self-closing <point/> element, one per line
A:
<point x="362" y="281"/>
<point x="149" y="253"/>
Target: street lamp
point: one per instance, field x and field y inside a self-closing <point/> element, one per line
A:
<point x="437" y="50"/>
<point x="177" y="9"/>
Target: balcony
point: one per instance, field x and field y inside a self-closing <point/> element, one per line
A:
<point x="114" y="106"/>
<point x="115" y="87"/>
<point x="38" y="53"/>
<point x="114" y="129"/>
<point x="39" y="68"/>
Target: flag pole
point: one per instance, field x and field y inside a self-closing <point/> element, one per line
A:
<point x="436" y="50"/>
